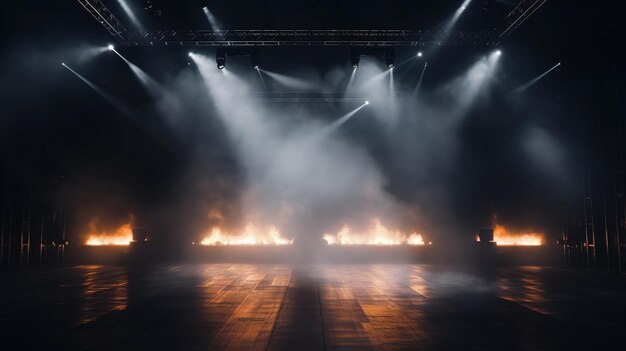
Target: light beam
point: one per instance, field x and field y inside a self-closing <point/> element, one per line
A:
<point x="213" y="22"/>
<point x="153" y="87"/>
<point x="108" y="97"/>
<point x="419" y="82"/>
<point x="287" y="81"/>
<point x="131" y="15"/>
<point x="522" y="88"/>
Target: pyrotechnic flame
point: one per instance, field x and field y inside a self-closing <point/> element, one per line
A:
<point x="377" y="234"/>
<point x="503" y="237"/>
<point x="251" y="235"/>
<point x="122" y="236"/>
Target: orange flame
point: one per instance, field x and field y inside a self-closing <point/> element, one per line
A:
<point x="122" y="236"/>
<point x="503" y="237"/>
<point x="251" y="235"/>
<point x="377" y="234"/>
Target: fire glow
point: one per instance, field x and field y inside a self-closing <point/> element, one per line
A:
<point x="251" y="236"/>
<point x="504" y="237"/>
<point x="377" y="234"/>
<point x="122" y="236"/>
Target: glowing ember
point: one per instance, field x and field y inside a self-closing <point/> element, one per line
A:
<point x="505" y="238"/>
<point x="378" y="234"/>
<point x="250" y="236"/>
<point x="122" y="236"/>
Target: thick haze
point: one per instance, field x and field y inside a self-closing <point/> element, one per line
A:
<point x="189" y="146"/>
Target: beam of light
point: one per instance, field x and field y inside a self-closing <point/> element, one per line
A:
<point x="258" y="71"/>
<point x="287" y="81"/>
<point x="213" y="22"/>
<point x="448" y="26"/>
<point x="84" y="54"/>
<point x="457" y="14"/>
<point x="352" y="75"/>
<point x="154" y="88"/>
<point x="419" y="82"/>
<point x="108" y="97"/>
<point x="522" y="88"/>
<point x="379" y="77"/>
<point x="392" y="88"/>
<point x="131" y="15"/>
<point x="343" y="119"/>
<point x="472" y="83"/>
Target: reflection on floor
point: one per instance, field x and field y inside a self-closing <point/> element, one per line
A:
<point x="334" y="307"/>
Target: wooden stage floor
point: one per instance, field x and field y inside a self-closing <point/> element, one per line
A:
<point x="320" y="307"/>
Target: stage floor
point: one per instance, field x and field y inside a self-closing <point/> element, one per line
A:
<point x="322" y="307"/>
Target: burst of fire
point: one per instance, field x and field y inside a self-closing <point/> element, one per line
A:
<point x="377" y="234"/>
<point x="504" y="237"/>
<point x="121" y="236"/>
<point x="251" y="235"/>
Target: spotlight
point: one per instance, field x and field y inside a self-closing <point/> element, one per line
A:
<point x="390" y="57"/>
<point x="255" y="58"/>
<point x="419" y="54"/>
<point x="355" y="57"/>
<point x="220" y="58"/>
<point x="62" y="63"/>
<point x="498" y="52"/>
<point x="367" y="102"/>
<point x="190" y="54"/>
<point x="110" y="47"/>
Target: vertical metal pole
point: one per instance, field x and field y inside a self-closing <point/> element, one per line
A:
<point x="41" y="241"/>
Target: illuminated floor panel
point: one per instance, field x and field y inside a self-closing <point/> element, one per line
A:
<point x="333" y="307"/>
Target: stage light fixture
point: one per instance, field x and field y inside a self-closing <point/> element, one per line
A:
<point x="110" y="47"/>
<point x="498" y="52"/>
<point x="190" y="54"/>
<point x="355" y="57"/>
<point x="390" y="57"/>
<point x="255" y="58"/>
<point x="367" y="102"/>
<point x="419" y="54"/>
<point x="220" y="58"/>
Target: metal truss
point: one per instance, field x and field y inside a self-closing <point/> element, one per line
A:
<point x="519" y="15"/>
<point x="102" y="14"/>
<point x="296" y="37"/>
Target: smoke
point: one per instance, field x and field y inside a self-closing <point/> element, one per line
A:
<point x="298" y="176"/>
<point x="211" y="156"/>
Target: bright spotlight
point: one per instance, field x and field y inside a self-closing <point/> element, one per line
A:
<point x="62" y="63"/>
<point x="110" y="47"/>
<point x="367" y="102"/>
<point x="355" y="57"/>
<point x="190" y="54"/>
<point x="419" y="54"/>
<point x="256" y="67"/>
<point x="220" y="58"/>
<point x="498" y="52"/>
<point x="390" y="57"/>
